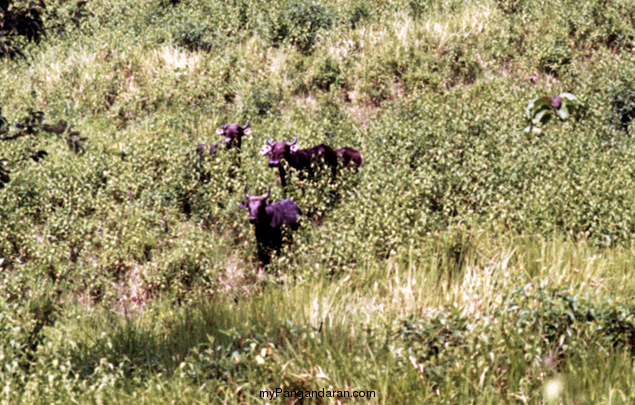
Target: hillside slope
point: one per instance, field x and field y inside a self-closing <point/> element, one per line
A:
<point x="467" y="261"/>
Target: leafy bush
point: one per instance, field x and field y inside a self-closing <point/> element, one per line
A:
<point x="194" y="36"/>
<point x="623" y="107"/>
<point x="326" y="73"/>
<point x="430" y="341"/>
<point x="300" y="23"/>
<point x="555" y="58"/>
<point x="261" y="101"/>
<point x="27" y="139"/>
<point x="22" y="23"/>
<point x="246" y="354"/>
<point x="358" y="13"/>
<point x="541" y="110"/>
<point x="542" y="322"/>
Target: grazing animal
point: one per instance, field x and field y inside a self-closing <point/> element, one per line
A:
<point x="350" y="158"/>
<point x="233" y="133"/>
<point x="201" y="148"/>
<point x="299" y="159"/>
<point x="233" y="138"/>
<point x="268" y="219"/>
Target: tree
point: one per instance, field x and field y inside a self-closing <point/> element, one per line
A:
<point x="22" y="22"/>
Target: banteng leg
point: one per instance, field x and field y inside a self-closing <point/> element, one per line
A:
<point x="283" y="179"/>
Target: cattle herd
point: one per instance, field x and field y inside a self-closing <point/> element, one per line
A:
<point x="267" y="217"/>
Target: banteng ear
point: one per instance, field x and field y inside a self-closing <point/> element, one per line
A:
<point x="294" y="148"/>
<point x="243" y="204"/>
<point x="247" y="131"/>
<point x="268" y="202"/>
<point x="220" y="131"/>
<point x="265" y="150"/>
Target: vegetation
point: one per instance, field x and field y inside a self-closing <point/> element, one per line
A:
<point x="22" y="23"/>
<point x="472" y="259"/>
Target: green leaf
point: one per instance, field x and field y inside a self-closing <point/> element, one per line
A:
<point x="542" y="117"/>
<point x="570" y="97"/>
<point x="563" y="112"/>
<point x="537" y="105"/>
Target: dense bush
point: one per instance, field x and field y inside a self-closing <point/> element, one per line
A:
<point x="300" y="23"/>
<point x="22" y="23"/>
<point x="543" y="323"/>
<point x="193" y="37"/>
<point x="623" y="106"/>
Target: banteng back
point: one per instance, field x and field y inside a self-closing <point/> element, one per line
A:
<point x="299" y="159"/>
<point x="350" y="157"/>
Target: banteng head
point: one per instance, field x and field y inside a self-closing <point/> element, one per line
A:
<point x="256" y="205"/>
<point x="233" y="133"/>
<point x="277" y="149"/>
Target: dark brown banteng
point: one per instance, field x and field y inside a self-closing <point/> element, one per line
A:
<point x="299" y="159"/>
<point x="233" y="133"/>
<point x="233" y="138"/>
<point x="350" y="158"/>
<point x="268" y="219"/>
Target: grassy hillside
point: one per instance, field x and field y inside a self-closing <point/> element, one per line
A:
<point x="468" y="261"/>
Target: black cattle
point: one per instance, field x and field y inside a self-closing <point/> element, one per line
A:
<point x="233" y="133"/>
<point x="299" y="159"/>
<point x="268" y="219"/>
<point x="233" y="138"/>
<point x="350" y="158"/>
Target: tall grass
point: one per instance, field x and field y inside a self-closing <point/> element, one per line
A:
<point x="348" y="333"/>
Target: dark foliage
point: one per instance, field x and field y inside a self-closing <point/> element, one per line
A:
<point x="623" y="106"/>
<point x="194" y="37"/>
<point x="4" y="173"/>
<point x="31" y="126"/>
<point x="23" y="23"/>
<point x="300" y="23"/>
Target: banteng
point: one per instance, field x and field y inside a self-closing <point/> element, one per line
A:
<point x="268" y="219"/>
<point x="299" y="159"/>
<point x="350" y="158"/>
<point x="233" y="138"/>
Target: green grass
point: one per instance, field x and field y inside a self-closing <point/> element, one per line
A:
<point x="350" y="329"/>
<point x="468" y="261"/>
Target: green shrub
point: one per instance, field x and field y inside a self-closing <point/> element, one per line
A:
<point x="261" y="101"/>
<point x="565" y="321"/>
<point x="326" y="73"/>
<point x="431" y="341"/>
<point x="555" y="58"/>
<point x="194" y="36"/>
<point x="300" y="23"/>
<point x="358" y="13"/>
<point x="622" y="101"/>
<point x="419" y="8"/>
